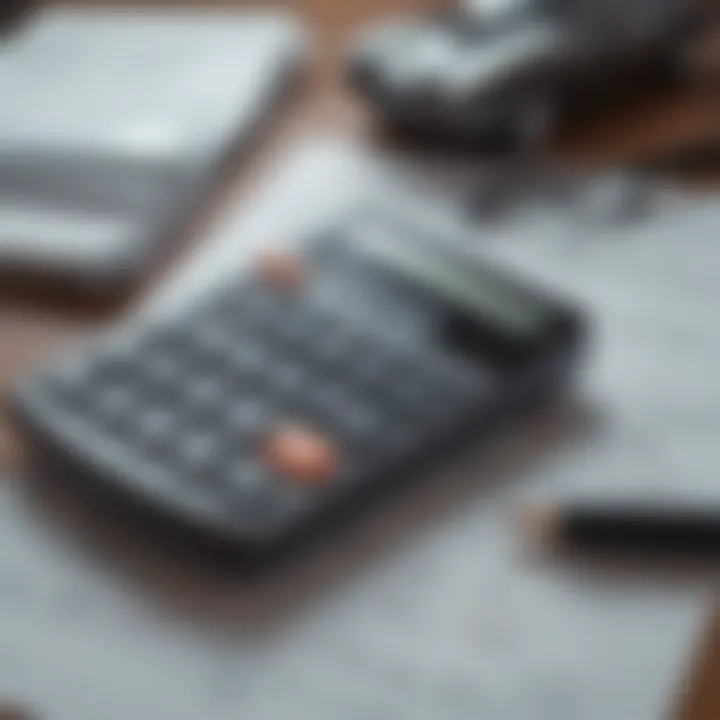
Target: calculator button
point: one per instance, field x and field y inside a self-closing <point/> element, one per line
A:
<point x="245" y="479"/>
<point x="156" y="427"/>
<point x="301" y="455"/>
<point x="378" y="368"/>
<point x="356" y="420"/>
<point x="331" y="348"/>
<point x="214" y="339"/>
<point x="163" y="369"/>
<point x="421" y="398"/>
<point x="197" y="453"/>
<point x="112" y="369"/>
<point x="288" y="379"/>
<point x="115" y="403"/>
<point x="205" y="393"/>
<point x="281" y="269"/>
<point x="173" y="340"/>
<point x="338" y="347"/>
<point x="297" y="327"/>
<point x="247" y="358"/>
<point x="412" y="391"/>
<point x="248" y="420"/>
<point x="360" y="423"/>
<point x="327" y="400"/>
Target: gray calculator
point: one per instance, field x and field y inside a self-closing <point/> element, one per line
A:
<point x="307" y="384"/>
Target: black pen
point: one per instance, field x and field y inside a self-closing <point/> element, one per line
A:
<point x="627" y="528"/>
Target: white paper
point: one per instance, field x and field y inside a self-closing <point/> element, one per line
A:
<point x="431" y="607"/>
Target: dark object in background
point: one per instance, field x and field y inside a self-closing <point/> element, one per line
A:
<point x="289" y="395"/>
<point x="513" y="73"/>
<point x="626" y="528"/>
<point x="600" y="196"/>
<point x="12" y="12"/>
<point x="698" y="157"/>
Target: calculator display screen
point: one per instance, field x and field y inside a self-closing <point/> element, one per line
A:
<point x="468" y="286"/>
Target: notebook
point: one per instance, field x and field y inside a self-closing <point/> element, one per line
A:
<point x="116" y="121"/>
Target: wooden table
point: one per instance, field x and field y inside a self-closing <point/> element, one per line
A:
<point x="35" y="321"/>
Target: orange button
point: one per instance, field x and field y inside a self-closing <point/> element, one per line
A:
<point x="281" y="269"/>
<point x="302" y="455"/>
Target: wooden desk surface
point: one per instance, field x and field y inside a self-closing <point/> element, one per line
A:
<point x="35" y="321"/>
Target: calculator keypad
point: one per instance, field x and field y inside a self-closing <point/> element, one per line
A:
<point x="270" y="400"/>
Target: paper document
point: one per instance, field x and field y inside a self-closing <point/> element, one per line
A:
<point x="429" y="609"/>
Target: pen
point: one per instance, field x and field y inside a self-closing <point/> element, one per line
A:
<point x="626" y="528"/>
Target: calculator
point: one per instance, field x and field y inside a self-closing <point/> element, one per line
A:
<point x="313" y="379"/>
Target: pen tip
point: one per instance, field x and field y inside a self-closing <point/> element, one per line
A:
<point x="540" y="524"/>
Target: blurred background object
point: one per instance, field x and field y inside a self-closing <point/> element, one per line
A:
<point x="514" y="74"/>
<point x="14" y="11"/>
<point x="116" y="125"/>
